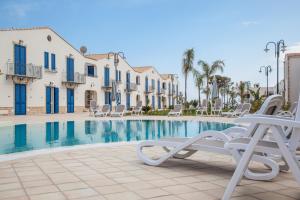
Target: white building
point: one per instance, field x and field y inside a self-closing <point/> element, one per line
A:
<point x="43" y="73"/>
<point x="292" y="73"/>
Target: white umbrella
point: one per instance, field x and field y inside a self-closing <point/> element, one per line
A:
<point x="114" y="91"/>
<point x="214" y="92"/>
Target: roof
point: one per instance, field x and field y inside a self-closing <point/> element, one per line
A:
<point x="142" y="69"/>
<point x="97" y="56"/>
<point x="44" y="28"/>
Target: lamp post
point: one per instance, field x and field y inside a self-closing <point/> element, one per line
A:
<point x="278" y="47"/>
<point x="268" y="69"/>
<point x="116" y="63"/>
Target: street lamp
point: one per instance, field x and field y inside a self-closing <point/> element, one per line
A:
<point x="278" y="47"/>
<point x="116" y="63"/>
<point x="268" y="69"/>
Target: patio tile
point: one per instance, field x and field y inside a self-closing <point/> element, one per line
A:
<point x="41" y="190"/>
<point x="196" y="196"/>
<point x="48" y="196"/>
<point x="169" y="197"/>
<point x="151" y="193"/>
<point x="123" y="195"/>
<point x="203" y="186"/>
<point x="12" y="193"/>
<point x="72" y="186"/>
<point x="291" y="192"/>
<point x="179" y="189"/>
<point x="273" y="196"/>
<point x="139" y="185"/>
<point x="100" y="182"/>
<point x="110" y="189"/>
<point x="10" y="186"/>
<point x="28" y="184"/>
<point x="80" y="193"/>
<point x="126" y="179"/>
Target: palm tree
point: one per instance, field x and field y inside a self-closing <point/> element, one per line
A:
<point x="242" y="91"/>
<point x="198" y="82"/>
<point x="187" y="67"/>
<point x="210" y="70"/>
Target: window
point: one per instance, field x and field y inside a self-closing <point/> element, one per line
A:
<point x="106" y="76"/>
<point x="46" y="60"/>
<point x="119" y="75"/>
<point x="137" y="80"/>
<point x="53" y="63"/>
<point x="153" y="84"/>
<point x="91" y="70"/>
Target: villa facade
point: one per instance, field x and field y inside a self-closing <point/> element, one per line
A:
<point x="43" y="73"/>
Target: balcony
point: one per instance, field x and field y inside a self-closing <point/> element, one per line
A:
<point x="131" y="87"/>
<point x="23" y="72"/>
<point x="162" y="91"/>
<point x="107" y="85"/>
<point x="73" y="81"/>
<point x="149" y="90"/>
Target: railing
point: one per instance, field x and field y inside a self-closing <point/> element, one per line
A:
<point x="24" y="70"/>
<point x="162" y="91"/>
<point x="149" y="90"/>
<point x="107" y="84"/>
<point x="78" y="78"/>
<point x="131" y="87"/>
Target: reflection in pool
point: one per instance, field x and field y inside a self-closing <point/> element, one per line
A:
<point x="25" y="137"/>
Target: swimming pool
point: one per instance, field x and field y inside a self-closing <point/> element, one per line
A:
<point x="26" y="137"/>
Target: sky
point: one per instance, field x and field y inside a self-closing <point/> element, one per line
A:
<point x="157" y="32"/>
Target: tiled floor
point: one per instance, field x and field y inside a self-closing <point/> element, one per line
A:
<point x="116" y="173"/>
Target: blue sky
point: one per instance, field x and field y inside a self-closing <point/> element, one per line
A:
<point x="157" y="32"/>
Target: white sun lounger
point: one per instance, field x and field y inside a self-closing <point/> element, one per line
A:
<point x="104" y="111"/>
<point x="203" y="108"/>
<point x="120" y="109"/>
<point x="177" y="111"/>
<point x="214" y="141"/>
<point x="279" y="146"/>
<point x="137" y="110"/>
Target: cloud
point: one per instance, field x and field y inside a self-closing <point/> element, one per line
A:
<point x="250" y="23"/>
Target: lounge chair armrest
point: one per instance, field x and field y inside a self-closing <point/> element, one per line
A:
<point x="267" y="120"/>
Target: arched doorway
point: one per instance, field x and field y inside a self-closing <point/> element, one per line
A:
<point x="90" y="95"/>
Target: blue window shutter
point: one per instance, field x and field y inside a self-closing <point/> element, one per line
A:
<point x="91" y="71"/>
<point x="119" y="75"/>
<point x="46" y="60"/>
<point x="53" y="62"/>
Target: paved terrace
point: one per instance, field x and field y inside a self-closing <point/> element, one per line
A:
<point x="114" y="172"/>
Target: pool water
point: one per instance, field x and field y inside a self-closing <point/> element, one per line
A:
<point x="26" y="137"/>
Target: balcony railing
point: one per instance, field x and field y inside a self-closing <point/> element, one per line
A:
<point x="162" y="91"/>
<point x="24" y="70"/>
<point x="149" y="90"/>
<point x="78" y="78"/>
<point x="131" y="87"/>
<point x="107" y="84"/>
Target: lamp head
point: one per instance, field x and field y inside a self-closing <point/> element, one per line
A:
<point x="266" y="49"/>
<point x="283" y="48"/>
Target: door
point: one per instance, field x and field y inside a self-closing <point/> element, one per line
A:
<point x="107" y="98"/>
<point x="159" y="102"/>
<point x="70" y="100"/>
<point x="20" y="59"/>
<point x="128" y="101"/>
<point x="48" y="100"/>
<point x="56" y="100"/>
<point x="70" y="69"/>
<point x="128" y="81"/>
<point x="20" y="99"/>
<point x="153" y="102"/>
<point x="106" y="76"/>
<point x="146" y="84"/>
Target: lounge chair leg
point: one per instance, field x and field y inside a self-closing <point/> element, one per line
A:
<point x="243" y="164"/>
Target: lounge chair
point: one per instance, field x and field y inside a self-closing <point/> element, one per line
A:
<point x="275" y="126"/>
<point x="202" y="108"/>
<point x="93" y="107"/>
<point x="245" y="110"/>
<point x="217" y="107"/>
<point x="119" y="112"/>
<point x="104" y="111"/>
<point x="289" y="113"/>
<point x="214" y="141"/>
<point x="235" y="112"/>
<point x="137" y="110"/>
<point x="177" y="111"/>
